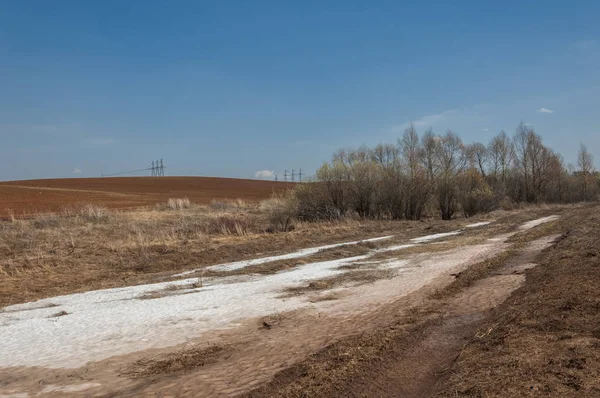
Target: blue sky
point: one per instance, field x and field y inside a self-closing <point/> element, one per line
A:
<point x="229" y="88"/>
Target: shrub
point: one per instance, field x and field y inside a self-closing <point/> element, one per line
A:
<point x="479" y="200"/>
<point x="231" y="225"/>
<point x="282" y="211"/>
<point x="508" y="204"/>
<point x="313" y="203"/>
<point x="46" y="221"/>
<point x="94" y="213"/>
<point x="178" y="204"/>
<point x="225" y="205"/>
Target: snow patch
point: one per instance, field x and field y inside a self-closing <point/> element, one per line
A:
<point x="109" y="322"/>
<point x="72" y="388"/>
<point x="297" y="254"/>
<point x="539" y="221"/>
<point x="394" y="248"/>
<point x="478" y="224"/>
<point x="428" y="238"/>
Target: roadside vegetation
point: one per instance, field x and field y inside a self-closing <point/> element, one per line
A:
<point x="439" y="174"/>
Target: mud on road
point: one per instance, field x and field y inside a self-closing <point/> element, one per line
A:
<point x="315" y="345"/>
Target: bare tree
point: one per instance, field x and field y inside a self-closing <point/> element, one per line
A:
<point x="429" y="144"/>
<point x="416" y="186"/>
<point x="363" y="179"/>
<point x="385" y="155"/>
<point x="585" y="161"/>
<point x="499" y="157"/>
<point x="335" y="177"/>
<point x="478" y="154"/>
<point x="397" y="181"/>
<point x="452" y="158"/>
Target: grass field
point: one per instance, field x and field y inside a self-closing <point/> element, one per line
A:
<point x="53" y="195"/>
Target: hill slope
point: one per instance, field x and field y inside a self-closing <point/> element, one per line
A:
<point x="51" y="195"/>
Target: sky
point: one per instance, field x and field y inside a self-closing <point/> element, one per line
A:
<point x="252" y="88"/>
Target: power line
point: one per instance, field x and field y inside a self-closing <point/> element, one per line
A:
<point x="125" y="172"/>
<point x="157" y="169"/>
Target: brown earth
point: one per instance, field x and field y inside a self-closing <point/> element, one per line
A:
<point x="53" y="195"/>
<point x="398" y="348"/>
<point x="483" y="335"/>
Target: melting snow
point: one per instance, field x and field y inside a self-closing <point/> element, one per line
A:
<point x="72" y="388"/>
<point x="300" y="253"/>
<point x="478" y="224"/>
<point x="428" y="238"/>
<point x="394" y="248"/>
<point x="535" y="223"/>
<point x="109" y="322"/>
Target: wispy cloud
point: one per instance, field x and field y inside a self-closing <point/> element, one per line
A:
<point x="545" y="110"/>
<point x="586" y="44"/>
<point x="264" y="174"/>
<point x="485" y="130"/>
<point x="423" y="122"/>
<point x="76" y="171"/>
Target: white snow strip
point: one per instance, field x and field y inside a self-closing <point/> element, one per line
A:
<point x="539" y="221"/>
<point x="103" y="323"/>
<point x="394" y="248"/>
<point x="428" y="238"/>
<point x="72" y="388"/>
<point x="110" y="322"/>
<point x="478" y="224"/>
<point x="300" y="253"/>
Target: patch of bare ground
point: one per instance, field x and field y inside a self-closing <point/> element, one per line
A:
<point x="482" y="269"/>
<point x="408" y="356"/>
<point x="350" y="278"/>
<point x="58" y="314"/>
<point x="172" y="289"/>
<point x="545" y="340"/>
<point x="185" y="359"/>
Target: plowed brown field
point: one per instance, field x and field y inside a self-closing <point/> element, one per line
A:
<point x="53" y="195"/>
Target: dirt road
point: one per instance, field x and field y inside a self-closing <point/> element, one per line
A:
<point x="230" y="334"/>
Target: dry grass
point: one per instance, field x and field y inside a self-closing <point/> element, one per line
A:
<point x="185" y="359"/>
<point x="90" y="247"/>
<point x="173" y="290"/>
<point x="178" y="204"/>
<point x="545" y="340"/>
<point x="505" y="363"/>
<point x="351" y="278"/>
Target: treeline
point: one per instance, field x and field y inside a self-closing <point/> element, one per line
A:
<point x="440" y="173"/>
